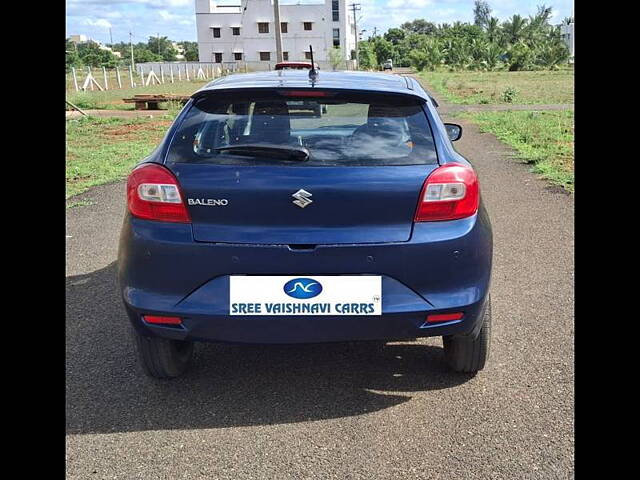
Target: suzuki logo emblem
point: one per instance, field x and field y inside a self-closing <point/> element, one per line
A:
<point x="302" y="198"/>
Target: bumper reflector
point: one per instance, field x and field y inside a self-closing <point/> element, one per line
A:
<point x="162" y="320"/>
<point x="444" y="317"/>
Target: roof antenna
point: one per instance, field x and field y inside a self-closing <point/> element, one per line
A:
<point x="313" y="74"/>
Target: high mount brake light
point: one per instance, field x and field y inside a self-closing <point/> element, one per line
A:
<point x="305" y="93"/>
<point x="449" y="193"/>
<point x="153" y="193"/>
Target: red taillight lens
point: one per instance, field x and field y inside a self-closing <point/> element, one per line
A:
<point x="444" y="317"/>
<point x="159" y="320"/>
<point x="449" y="193"/>
<point x="153" y="193"/>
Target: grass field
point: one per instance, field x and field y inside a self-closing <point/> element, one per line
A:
<point x="536" y="87"/>
<point x="543" y="139"/>
<point x="112" y="99"/>
<point x="103" y="150"/>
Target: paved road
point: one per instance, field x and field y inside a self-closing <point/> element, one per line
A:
<point x="338" y="411"/>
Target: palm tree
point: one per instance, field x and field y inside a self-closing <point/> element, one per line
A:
<point x="514" y="28"/>
<point x="493" y="29"/>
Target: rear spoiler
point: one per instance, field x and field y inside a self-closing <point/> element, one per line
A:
<point x="407" y="80"/>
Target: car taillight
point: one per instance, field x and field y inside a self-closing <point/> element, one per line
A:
<point x="449" y="193"/>
<point x="153" y="193"/>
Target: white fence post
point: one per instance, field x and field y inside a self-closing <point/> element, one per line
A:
<point x="161" y="75"/>
<point x="141" y="78"/>
<point x="118" y="77"/>
<point x="131" y="77"/>
<point x="171" y="70"/>
<point x="75" y="79"/>
<point x="104" y="75"/>
<point x="152" y="77"/>
<point x="179" y="73"/>
<point x="186" y="71"/>
<point x="89" y="75"/>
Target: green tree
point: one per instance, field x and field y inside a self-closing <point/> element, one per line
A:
<point x="163" y="47"/>
<point x="190" y="51"/>
<point x="520" y="57"/>
<point x="92" y="55"/>
<point x="383" y="50"/>
<point x="143" y="54"/>
<point x="429" y="57"/>
<point x="72" y="59"/>
<point x="336" y="58"/>
<point x="481" y="13"/>
<point x="395" y="35"/>
<point x="366" y="55"/>
<point x="514" y="28"/>
<point x="419" y="25"/>
<point x="493" y="30"/>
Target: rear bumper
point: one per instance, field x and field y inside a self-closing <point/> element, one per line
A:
<point x="445" y="267"/>
<point x="312" y="329"/>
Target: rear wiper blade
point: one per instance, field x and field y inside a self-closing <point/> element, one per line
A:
<point x="288" y="152"/>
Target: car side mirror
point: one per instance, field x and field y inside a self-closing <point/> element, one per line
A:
<point x="454" y="131"/>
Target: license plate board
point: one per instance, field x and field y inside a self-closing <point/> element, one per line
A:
<point x="305" y="295"/>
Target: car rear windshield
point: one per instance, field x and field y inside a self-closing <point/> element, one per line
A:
<point x="332" y="128"/>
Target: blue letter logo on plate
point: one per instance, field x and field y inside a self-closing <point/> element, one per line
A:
<point x="302" y="288"/>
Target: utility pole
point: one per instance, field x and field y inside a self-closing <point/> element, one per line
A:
<point x="276" y="18"/>
<point x="110" y="36"/>
<point x="131" y="45"/>
<point x="356" y="8"/>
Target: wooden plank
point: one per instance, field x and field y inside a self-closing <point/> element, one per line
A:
<point x="76" y="108"/>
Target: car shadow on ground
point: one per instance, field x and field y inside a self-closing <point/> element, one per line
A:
<point x="228" y="385"/>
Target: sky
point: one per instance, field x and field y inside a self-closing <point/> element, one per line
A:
<point x="176" y="18"/>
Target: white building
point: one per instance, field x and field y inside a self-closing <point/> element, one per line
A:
<point x="78" y="38"/>
<point x="243" y="34"/>
<point x="566" y="33"/>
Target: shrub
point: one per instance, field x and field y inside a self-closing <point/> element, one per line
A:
<point x="509" y="95"/>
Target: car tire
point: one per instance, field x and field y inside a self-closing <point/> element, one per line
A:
<point x="163" y="358"/>
<point x="467" y="354"/>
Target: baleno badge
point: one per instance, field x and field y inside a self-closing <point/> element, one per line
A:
<point x="208" y="202"/>
<point x="302" y="198"/>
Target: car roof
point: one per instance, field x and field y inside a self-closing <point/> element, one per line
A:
<point x="288" y="62"/>
<point x="343" y="80"/>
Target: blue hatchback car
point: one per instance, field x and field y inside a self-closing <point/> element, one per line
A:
<point x="258" y="220"/>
